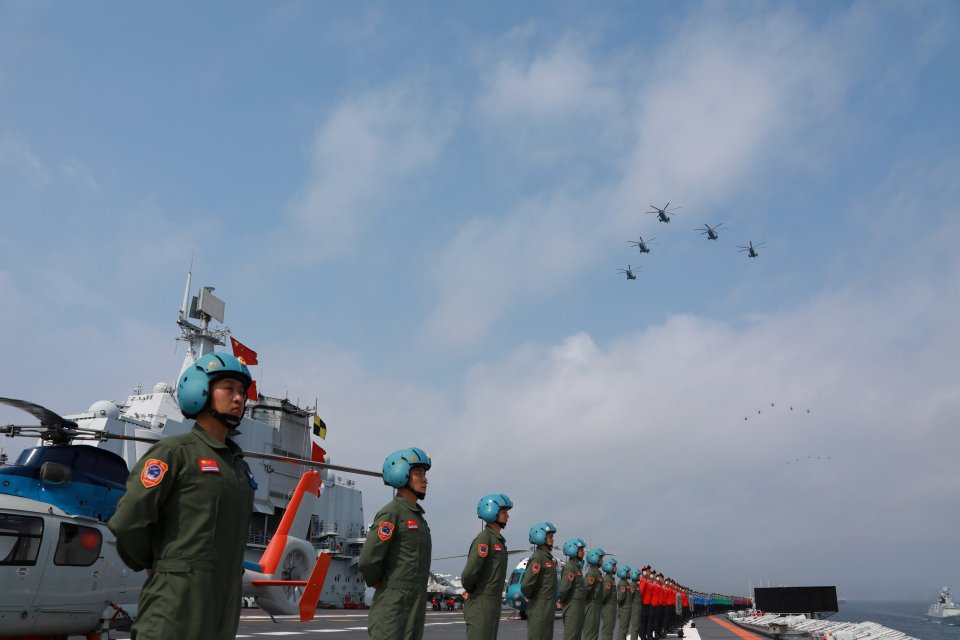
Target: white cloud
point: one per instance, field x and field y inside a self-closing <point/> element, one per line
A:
<point x="361" y="157"/>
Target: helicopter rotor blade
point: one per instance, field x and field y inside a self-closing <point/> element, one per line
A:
<point x="46" y="417"/>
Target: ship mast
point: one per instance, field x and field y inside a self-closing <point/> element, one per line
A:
<point x="201" y="339"/>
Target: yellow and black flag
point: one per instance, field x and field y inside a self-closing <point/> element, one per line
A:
<point x="319" y="428"/>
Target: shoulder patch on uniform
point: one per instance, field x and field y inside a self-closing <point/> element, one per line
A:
<point x="385" y="530"/>
<point x="591" y="579"/>
<point x="482" y="550"/>
<point x="608" y="585"/>
<point x="535" y="567"/>
<point x="570" y="576"/>
<point x="208" y="465"/>
<point x="153" y="472"/>
<point x="623" y="589"/>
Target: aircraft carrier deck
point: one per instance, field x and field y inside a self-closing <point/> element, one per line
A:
<point x="352" y="625"/>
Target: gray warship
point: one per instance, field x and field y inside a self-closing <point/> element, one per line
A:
<point x="271" y="425"/>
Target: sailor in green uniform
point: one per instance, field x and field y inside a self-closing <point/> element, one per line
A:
<point x="624" y="601"/>
<point x="594" y="587"/>
<point x="395" y="559"/>
<point x="608" y="599"/>
<point x="572" y="591"/>
<point x="185" y="514"/>
<point x="636" y="606"/>
<point x="486" y="569"/>
<point x="539" y="583"/>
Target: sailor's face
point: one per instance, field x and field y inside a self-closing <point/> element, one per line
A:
<point x="550" y="539"/>
<point x="418" y="479"/>
<point x="228" y="396"/>
<point x="503" y="515"/>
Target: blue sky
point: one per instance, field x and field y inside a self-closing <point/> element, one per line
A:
<point x="416" y="214"/>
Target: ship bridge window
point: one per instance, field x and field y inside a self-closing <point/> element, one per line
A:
<point x="78" y="546"/>
<point x="20" y="539"/>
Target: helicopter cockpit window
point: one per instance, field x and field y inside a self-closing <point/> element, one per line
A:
<point x="19" y="539"/>
<point x="515" y="578"/>
<point x="78" y="546"/>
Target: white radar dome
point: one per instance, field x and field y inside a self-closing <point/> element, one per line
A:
<point x="105" y="408"/>
<point x="162" y="387"/>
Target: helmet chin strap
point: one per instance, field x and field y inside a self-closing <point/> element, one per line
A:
<point x="420" y="494"/>
<point x="228" y="420"/>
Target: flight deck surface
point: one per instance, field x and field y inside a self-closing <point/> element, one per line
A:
<point x="352" y="625"/>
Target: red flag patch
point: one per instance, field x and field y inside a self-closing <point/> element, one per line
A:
<point x="208" y="466"/>
<point x="385" y="530"/>
<point x="413" y="525"/>
<point x="497" y="547"/>
<point x="548" y="564"/>
<point x="153" y="472"/>
<point x="482" y="550"/>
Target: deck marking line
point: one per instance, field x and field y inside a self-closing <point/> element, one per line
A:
<point x="735" y="629"/>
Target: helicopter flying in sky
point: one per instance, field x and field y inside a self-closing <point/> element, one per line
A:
<point x="662" y="213"/>
<point x="751" y="249"/>
<point x="641" y="244"/>
<point x="629" y="272"/>
<point x="710" y="232"/>
<point x="60" y="560"/>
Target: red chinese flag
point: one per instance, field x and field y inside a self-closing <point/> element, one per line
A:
<point x="317" y="453"/>
<point x="245" y="354"/>
<point x="252" y="391"/>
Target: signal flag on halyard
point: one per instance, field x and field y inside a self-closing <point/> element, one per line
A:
<point x="245" y="354"/>
<point x="319" y="428"/>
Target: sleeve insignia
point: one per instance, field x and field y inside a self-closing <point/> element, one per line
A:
<point x="570" y="576"/>
<point x="482" y="550"/>
<point x="623" y="589"/>
<point x="608" y="585"/>
<point x="153" y="472"/>
<point x="535" y="567"/>
<point x="385" y="530"/>
<point x="591" y="579"/>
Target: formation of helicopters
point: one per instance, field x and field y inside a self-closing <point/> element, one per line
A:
<point x="59" y="564"/>
<point x="711" y="232"/>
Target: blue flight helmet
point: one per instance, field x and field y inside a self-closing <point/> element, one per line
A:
<point x="571" y="548"/>
<point x="595" y="556"/>
<point x="623" y="572"/>
<point x="488" y="509"/>
<point x="193" y="389"/>
<point x="634" y="574"/>
<point x="609" y="565"/>
<point x="539" y="531"/>
<point x="396" y="468"/>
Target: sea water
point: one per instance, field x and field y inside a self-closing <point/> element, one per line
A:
<point x="900" y="615"/>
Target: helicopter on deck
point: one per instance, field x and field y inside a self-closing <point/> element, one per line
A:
<point x="710" y="232"/>
<point x="641" y="244"/>
<point x="59" y="559"/>
<point x="662" y="213"/>
<point x="629" y="272"/>
<point x="751" y="249"/>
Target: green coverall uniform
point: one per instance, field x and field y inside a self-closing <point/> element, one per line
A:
<point x="539" y="587"/>
<point x="573" y="598"/>
<point x="591" y="618"/>
<point x="624" y="603"/>
<point x="395" y="559"/>
<point x="635" y="609"/>
<point x="482" y="579"/>
<point x="608" y="609"/>
<point x="185" y="516"/>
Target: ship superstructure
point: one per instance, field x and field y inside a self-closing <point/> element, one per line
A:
<point x="945" y="609"/>
<point x="271" y="425"/>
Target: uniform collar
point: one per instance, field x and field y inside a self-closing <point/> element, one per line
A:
<point x="208" y="439"/>
<point x="415" y="508"/>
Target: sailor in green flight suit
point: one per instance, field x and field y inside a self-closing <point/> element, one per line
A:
<point x="572" y="591"/>
<point x="185" y="514"/>
<point x="395" y="559"/>
<point x="608" y="599"/>
<point x="486" y="569"/>
<point x="636" y="606"/>
<point x="594" y="586"/>
<point x="624" y="601"/>
<point x="539" y="583"/>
